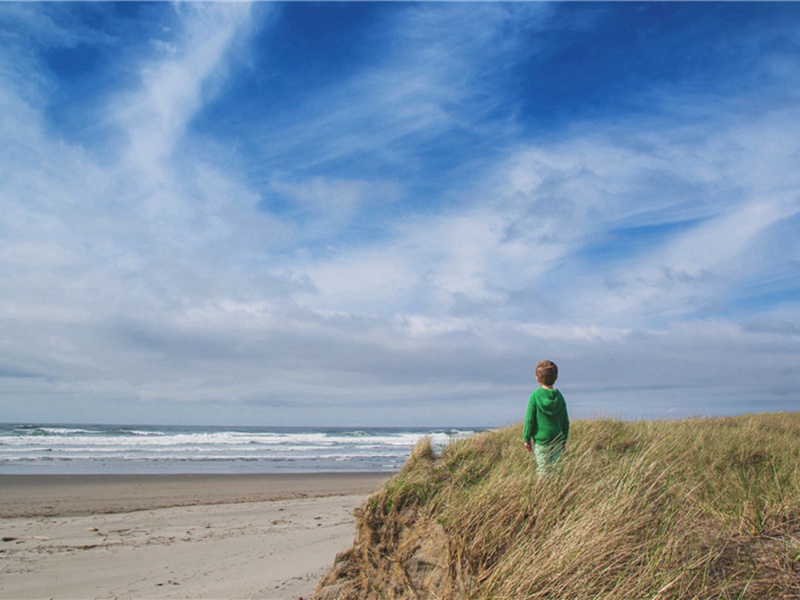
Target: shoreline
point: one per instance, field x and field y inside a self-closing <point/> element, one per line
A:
<point x="75" y="495"/>
<point x="175" y="536"/>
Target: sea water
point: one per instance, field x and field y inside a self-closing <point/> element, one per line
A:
<point x="126" y="449"/>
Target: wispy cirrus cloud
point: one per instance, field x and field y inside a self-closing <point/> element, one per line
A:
<point x="176" y="84"/>
<point x="429" y="79"/>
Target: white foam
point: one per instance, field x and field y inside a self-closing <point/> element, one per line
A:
<point x="121" y="446"/>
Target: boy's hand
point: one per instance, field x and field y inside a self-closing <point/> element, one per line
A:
<point x="528" y="446"/>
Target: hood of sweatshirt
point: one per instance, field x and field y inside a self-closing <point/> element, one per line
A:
<point x="551" y="402"/>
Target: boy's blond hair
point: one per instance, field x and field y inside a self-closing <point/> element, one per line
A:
<point x="546" y="372"/>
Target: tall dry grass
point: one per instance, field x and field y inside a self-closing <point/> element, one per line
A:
<point x="700" y="508"/>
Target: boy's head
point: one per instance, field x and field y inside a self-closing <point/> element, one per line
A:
<point x="546" y="372"/>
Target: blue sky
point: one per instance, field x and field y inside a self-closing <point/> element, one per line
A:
<point x="355" y="213"/>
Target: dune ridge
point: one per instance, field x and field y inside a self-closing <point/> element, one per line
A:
<point x="698" y="508"/>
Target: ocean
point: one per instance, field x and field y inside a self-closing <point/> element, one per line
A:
<point x="148" y="449"/>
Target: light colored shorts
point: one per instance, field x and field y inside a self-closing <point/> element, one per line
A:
<point x="547" y="456"/>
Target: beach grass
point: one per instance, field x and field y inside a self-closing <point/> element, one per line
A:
<point x="698" y="508"/>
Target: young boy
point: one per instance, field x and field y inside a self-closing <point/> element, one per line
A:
<point x="546" y="421"/>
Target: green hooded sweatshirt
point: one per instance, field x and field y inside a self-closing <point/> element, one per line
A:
<point x="546" y="419"/>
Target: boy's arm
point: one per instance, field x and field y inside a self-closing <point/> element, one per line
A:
<point x="529" y="426"/>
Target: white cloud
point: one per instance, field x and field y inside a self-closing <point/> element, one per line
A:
<point x="430" y="79"/>
<point x="520" y="243"/>
<point x="321" y="209"/>
<point x="155" y="116"/>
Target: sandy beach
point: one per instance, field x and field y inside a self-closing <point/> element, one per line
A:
<point x="175" y="536"/>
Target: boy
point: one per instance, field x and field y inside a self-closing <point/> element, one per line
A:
<point x="546" y="420"/>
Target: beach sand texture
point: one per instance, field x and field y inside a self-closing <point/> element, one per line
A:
<point x="200" y="536"/>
